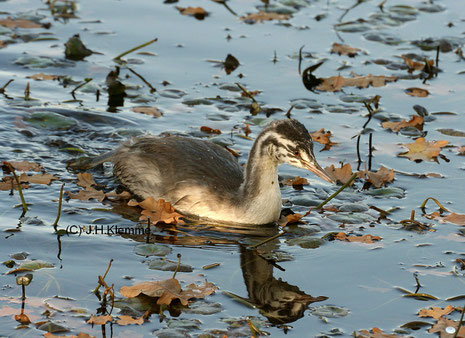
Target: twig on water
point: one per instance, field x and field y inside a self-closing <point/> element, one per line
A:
<point x="134" y="49"/>
<point x="152" y="89"/>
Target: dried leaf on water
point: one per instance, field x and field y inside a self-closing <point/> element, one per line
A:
<point x="444" y="323"/>
<point x="85" y="180"/>
<point x="340" y="174"/>
<point x="416" y="122"/>
<point x="418" y="92"/>
<point x="379" y="178"/>
<point x="291" y="219"/>
<point x="80" y="335"/>
<point x="336" y="83"/>
<point x="323" y="137"/>
<point x="209" y="130"/>
<point x="436" y="312"/>
<point x="127" y="320"/>
<point x="99" y="320"/>
<point x="375" y="333"/>
<point x="151" y="111"/>
<point x="198" y="12"/>
<point x="87" y="194"/>
<point x="454" y="218"/>
<point x="25" y="166"/>
<point x="296" y="181"/>
<point x="345" y="50"/>
<point x="168" y="290"/>
<point x="415" y="65"/>
<point x="264" y="16"/>
<point x="364" y="239"/>
<point x="38" y="179"/>
<point x="422" y="150"/>
<point x="158" y="211"/>
<point x="18" y="23"/>
<point x="8" y="181"/>
<point x="42" y="76"/>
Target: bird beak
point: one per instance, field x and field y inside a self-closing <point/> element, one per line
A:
<point x="315" y="168"/>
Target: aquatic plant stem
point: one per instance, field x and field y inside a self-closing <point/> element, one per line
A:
<point x="460" y="323"/>
<point x="319" y="206"/>
<point x="267" y="240"/>
<point x="60" y="202"/>
<point x="135" y="48"/>
<point x="104" y="275"/>
<point x="20" y="191"/>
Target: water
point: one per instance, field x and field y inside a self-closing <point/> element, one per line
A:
<point x="360" y="280"/>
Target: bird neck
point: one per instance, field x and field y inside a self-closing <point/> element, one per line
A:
<point x="260" y="189"/>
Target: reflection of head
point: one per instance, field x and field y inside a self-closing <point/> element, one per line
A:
<point x="277" y="300"/>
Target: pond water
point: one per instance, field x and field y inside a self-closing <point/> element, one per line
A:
<point x="318" y="287"/>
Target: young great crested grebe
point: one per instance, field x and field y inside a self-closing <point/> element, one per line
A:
<point x="202" y="179"/>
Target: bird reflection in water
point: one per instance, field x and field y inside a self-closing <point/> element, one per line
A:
<point x="277" y="300"/>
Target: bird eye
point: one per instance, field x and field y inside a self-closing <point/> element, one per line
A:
<point x="297" y="153"/>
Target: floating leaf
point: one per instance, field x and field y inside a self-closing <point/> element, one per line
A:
<point x="167" y="265"/>
<point x="25" y="166"/>
<point x="422" y="150"/>
<point x="336" y="83"/>
<point x="381" y="177"/>
<point x="364" y="239"/>
<point x="340" y="174"/>
<point x="323" y="137"/>
<point x="436" y="312"/>
<point x="85" y="195"/>
<point x="198" y="12"/>
<point x="416" y="122"/>
<point x="168" y="290"/>
<point x="50" y="120"/>
<point x="99" y="320"/>
<point x="264" y="16"/>
<point x="158" y="211"/>
<point x="209" y="130"/>
<point x="452" y="132"/>
<point x="418" y="92"/>
<point x="415" y="65"/>
<point x="152" y="249"/>
<point x="42" y="76"/>
<point x="85" y="180"/>
<point x="151" y="111"/>
<point x="454" y="218"/>
<point x="442" y="326"/>
<point x="345" y="50"/>
<point x="375" y="333"/>
<point x="296" y="182"/>
<point x="38" y="179"/>
<point x="32" y="266"/>
<point x="127" y="320"/>
<point x="18" y="23"/>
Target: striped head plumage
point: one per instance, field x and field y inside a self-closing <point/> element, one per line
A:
<point x="288" y="141"/>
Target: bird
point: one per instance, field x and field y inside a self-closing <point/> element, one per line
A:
<point x="204" y="181"/>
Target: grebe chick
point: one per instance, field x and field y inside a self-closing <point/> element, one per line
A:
<point x="202" y="179"/>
